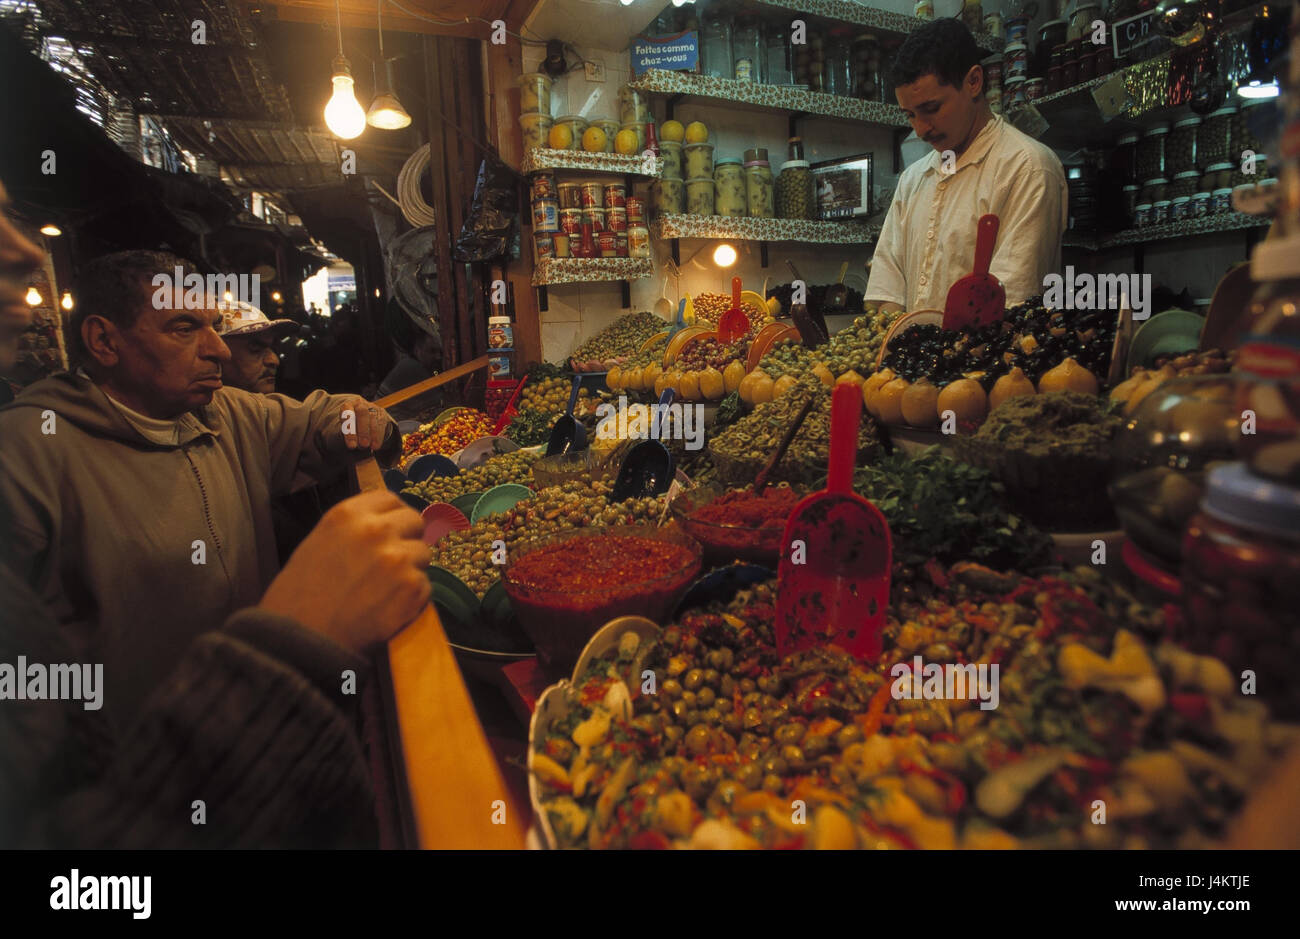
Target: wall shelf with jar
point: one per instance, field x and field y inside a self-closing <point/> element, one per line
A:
<point x="543" y="159"/>
<point x="858" y="14"/>
<point x="554" y="271"/>
<point x="1186" y="228"/>
<point x="763" y="229"/>
<point x="678" y="85"/>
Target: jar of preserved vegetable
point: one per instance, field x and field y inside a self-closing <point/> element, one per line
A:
<point x="1151" y="152"/>
<point x="810" y="62"/>
<point x="633" y="106"/>
<point x="1081" y="21"/>
<point x="1180" y="147"/>
<point x="1201" y="203"/>
<point x="1184" y="184"/>
<point x="670" y="151"/>
<point x="1214" y="136"/>
<point x="730" y="195"/>
<point x="1241" y="581"/>
<point x="776" y="43"/>
<point x="794" y="191"/>
<point x="698" y="160"/>
<point x="699" y="196"/>
<point x="1180" y="208"/>
<point x="747" y="50"/>
<point x="715" y="43"/>
<point x="577" y="127"/>
<point x="666" y="196"/>
<point x="838" y="77"/>
<point x="1153" y="190"/>
<point x="534" y="93"/>
<point x="759" y="184"/>
<point x="1124" y="161"/>
<point x="1130" y="201"/>
<point x="866" y="67"/>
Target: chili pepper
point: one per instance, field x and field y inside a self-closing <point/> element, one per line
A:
<point x="649" y="840"/>
<point x="870" y="721"/>
<point x="1193" y="707"/>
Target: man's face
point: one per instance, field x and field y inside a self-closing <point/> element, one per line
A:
<point x="168" y="361"/>
<point x="18" y="258"/>
<point x="253" y="362"/>
<point x="941" y="115"/>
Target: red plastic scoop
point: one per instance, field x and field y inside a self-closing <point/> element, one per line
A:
<point x="979" y="297"/>
<point x="837" y="554"/>
<point x="733" y="324"/>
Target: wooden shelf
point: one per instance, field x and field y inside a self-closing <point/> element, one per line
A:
<point x="1210" y="225"/>
<point x="768" y="97"/>
<point x="764" y="229"/>
<point x="552" y="271"/>
<point x="850" y="11"/>
<point x="537" y="160"/>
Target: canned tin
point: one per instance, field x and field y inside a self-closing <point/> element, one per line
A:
<point x="635" y="210"/>
<point x="562" y="249"/>
<point x="499" y="366"/>
<point x="638" y="241"/>
<point x="596" y="217"/>
<point x="546" y="215"/>
<point x="571" y="221"/>
<point x="570" y="195"/>
<point x="616" y="219"/>
<point x="615" y="196"/>
<point x="621" y="240"/>
<point x="544" y="242"/>
<point x="501" y="333"/>
<point x="607" y="244"/>
<point x="544" y="186"/>
<point x="593" y="195"/>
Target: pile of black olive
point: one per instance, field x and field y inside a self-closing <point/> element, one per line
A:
<point x="1028" y="337"/>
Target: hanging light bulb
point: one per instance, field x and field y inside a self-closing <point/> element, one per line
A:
<point x="51" y="230"/>
<point x="66" y="302"/>
<point x="343" y="114"/>
<point x="724" y="255"/>
<point x="386" y="112"/>
<point x="33" y="297"/>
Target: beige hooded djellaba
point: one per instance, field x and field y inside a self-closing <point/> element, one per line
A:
<point x="141" y="535"/>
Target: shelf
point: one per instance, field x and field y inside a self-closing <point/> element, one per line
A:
<point x="539" y="159"/>
<point x="1210" y="225"/>
<point x="850" y="11"/>
<point x="763" y="229"/>
<point x="551" y="271"/>
<point x="770" y="97"/>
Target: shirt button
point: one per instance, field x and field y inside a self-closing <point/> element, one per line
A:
<point x="923" y="279"/>
<point x="930" y="234"/>
<point x="943" y="186"/>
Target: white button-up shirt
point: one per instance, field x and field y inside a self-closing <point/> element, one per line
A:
<point x="928" y="239"/>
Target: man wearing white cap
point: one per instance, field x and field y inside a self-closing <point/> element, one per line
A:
<point x="251" y="338"/>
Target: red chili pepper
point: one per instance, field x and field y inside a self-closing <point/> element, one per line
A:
<point x="649" y="841"/>
<point x="1193" y="707"/>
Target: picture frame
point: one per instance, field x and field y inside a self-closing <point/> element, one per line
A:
<point x="844" y="188"/>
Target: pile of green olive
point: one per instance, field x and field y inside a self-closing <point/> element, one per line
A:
<point x="513" y="467"/>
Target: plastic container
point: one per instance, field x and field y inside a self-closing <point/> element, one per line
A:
<point x="697" y="160"/>
<point x="1034" y="89"/>
<point x="1015" y="61"/>
<point x="638" y="241"/>
<point x="667" y="196"/>
<point x="1081" y="21"/>
<point x="1218" y="176"/>
<point x="1151" y="152"/>
<point x="670" y="151"/>
<point x="1214" y="136"/>
<point x="1142" y="215"/>
<point x="610" y="129"/>
<point x="1180" y="208"/>
<point x="536" y="130"/>
<point x="546" y="215"/>
<point x="534" y="93"/>
<point x="1241" y="582"/>
<point x="577" y="126"/>
<point x="543" y="245"/>
<point x="992" y="71"/>
<point x="607" y="244"/>
<point x="543" y="186"/>
<point x="638" y="128"/>
<point x="615" y="195"/>
<point x="571" y="221"/>
<point x="635" y="210"/>
<point x="731" y="197"/>
<point x="1160" y="212"/>
<point x="1180" y="147"/>
<point x="633" y="106"/>
<point x="1013" y="93"/>
<point x="1129" y="194"/>
<point x="1222" y="201"/>
<point x="616" y="218"/>
<point x="570" y="195"/>
<point x="1153" y="190"/>
<point x="1124" y="158"/>
<point x="1201" y="204"/>
<point x="700" y="196"/>
<point x="595" y="218"/>
<point x="593" y="195"/>
<point x="761" y="189"/>
<point x="1017" y="29"/>
<point x="1184" y="184"/>
<point x="563" y="245"/>
<point x="501" y="332"/>
<point x="794" y="191"/>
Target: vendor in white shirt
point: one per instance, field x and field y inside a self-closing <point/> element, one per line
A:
<point x="980" y="164"/>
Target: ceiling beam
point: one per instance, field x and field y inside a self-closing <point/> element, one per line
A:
<point x="362" y="14"/>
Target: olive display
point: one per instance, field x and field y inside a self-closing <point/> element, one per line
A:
<point x="620" y="338"/>
<point x="513" y="467"/>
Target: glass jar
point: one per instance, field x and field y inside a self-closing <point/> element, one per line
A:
<point x="1034" y="89"/>
<point x="747" y="50"/>
<point x="810" y="62"/>
<point x="1268" y="366"/>
<point x="670" y="151"/>
<point x="1184" y="184"/>
<point x="1243" y="138"/>
<point x="1142" y="215"/>
<point x="776" y="43"/>
<point x="1160" y="211"/>
<point x="865" y="67"/>
<point x="1050" y="35"/>
<point x="1081" y="21"/>
<point x="715" y="43"/>
<point x="666" y="196"/>
<point x="794" y="191"/>
<point x="611" y="128"/>
<point x="1088" y="66"/>
<point x="1222" y="201"/>
<point x="536" y="129"/>
<point x="1180" y="208"/>
<point x="1180" y="147"/>
<point x="730" y="195"/>
<point x="1130" y="201"/>
<point x="577" y="127"/>
<point x="698" y="160"/>
<point x="633" y="106"/>
<point x="1201" y="203"/>
<point x="534" y="93"/>
<point x="1241" y="582"/>
<point x="1055" y="80"/>
<point x="699" y="196"/>
<point x="838" y="77"/>
<point x="1153" y="190"/>
<point x="1151" y="152"/>
<point x="1124" y="158"/>
<point x="760" y="188"/>
<point x="1214" y="136"/>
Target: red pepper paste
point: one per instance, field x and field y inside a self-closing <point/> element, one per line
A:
<point x="749" y="510"/>
<point x="599" y="563"/>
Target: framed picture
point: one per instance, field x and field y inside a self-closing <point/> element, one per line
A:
<point x="843" y="187"/>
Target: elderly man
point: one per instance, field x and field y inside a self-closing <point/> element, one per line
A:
<point x="138" y="488"/>
<point x="251" y="339"/>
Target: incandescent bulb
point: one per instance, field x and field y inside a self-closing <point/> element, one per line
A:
<point x="52" y="230"/>
<point x="724" y="255"/>
<point x="33" y="297"/>
<point x="66" y="302"/>
<point x="344" y="115"/>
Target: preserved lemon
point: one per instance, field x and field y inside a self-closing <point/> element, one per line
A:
<point x="889" y="401"/>
<point x="823" y="374"/>
<point x="1013" y="384"/>
<point x="614" y="378"/>
<point x="783" y="384"/>
<point x="733" y="375"/>
<point x="1068" y="376"/>
<point x="871" y="387"/>
<point x="918" y="404"/>
<point x="764" y="388"/>
<point x="688" y="387"/>
<point x="965" y="398"/>
<point x="712" y="384"/>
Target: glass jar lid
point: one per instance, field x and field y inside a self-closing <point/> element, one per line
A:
<point x="794" y="165"/>
<point x="1188" y="174"/>
<point x="1188" y="121"/>
<point x="1156" y="129"/>
<point x="1127" y="139"/>
<point x="1235" y="495"/>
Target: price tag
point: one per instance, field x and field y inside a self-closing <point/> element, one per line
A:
<point x="1112" y="97"/>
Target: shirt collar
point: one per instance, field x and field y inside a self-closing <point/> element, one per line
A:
<point x="169" y="432"/>
<point x="976" y="152"/>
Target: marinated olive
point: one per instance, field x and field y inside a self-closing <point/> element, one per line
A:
<point x="747" y="686"/>
<point x="814" y="745"/>
<point x="773" y="783"/>
<point x="711" y="677"/>
<point x="680" y="709"/>
<point x="751" y="699"/>
<point x="750" y="775"/>
<point x="671" y="637"/>
<point x="793" y="756"/>
<point x="846" y="735"/>
<point x="694" y="678"/>
<point x="775" y="764"/>
<point x="671" y="688"/>
<point x="732" y="722"/>
<point x="720" y="659"/>
<point x="769" y="684"/>
<point x="697" y="739"/>
<point x="789" y="733"/>
<point x="727" y="686"/>
<point x="711" y="716"/>
<point x="727" y="791"/>
<point x="706" y="697"/>
<point x="752" y="718"/>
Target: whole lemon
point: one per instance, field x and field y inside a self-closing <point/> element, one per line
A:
<point x="696" y="132"/>
<point x="672" y="130"/>
<point x="561" y="137"/>
<point x="625" y="142"/>
<point x="594" y="140"/>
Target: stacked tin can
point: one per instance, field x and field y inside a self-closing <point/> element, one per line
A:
<point x="546" y="216"/>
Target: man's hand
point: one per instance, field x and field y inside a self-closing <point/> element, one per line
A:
<point x="364" y="424"/>
<point x="358" y="578"/>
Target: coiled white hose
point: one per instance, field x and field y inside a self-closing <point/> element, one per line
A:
<point x="409" y="198"/>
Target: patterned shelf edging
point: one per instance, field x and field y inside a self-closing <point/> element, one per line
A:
<point x="1211" y="224"/>
<point x="763" y="229"/>
<point x="589" y="270"/>
<point x="848" y="11"/>
<point x="543" y="158"/>
<point x="770" y="96"/>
